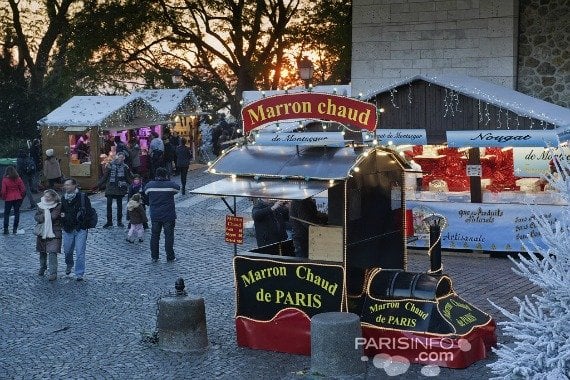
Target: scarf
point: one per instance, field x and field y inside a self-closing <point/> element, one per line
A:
<point x="47" y="232"/>
<point x="70" y="196"/>
<point x="117" y="171"/>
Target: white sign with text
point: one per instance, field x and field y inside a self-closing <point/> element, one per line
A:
<point x="534" y="162"/>
<point x="503" y="139"/>
<point x="333" y="139"/>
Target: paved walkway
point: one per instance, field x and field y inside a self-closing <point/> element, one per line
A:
<point x="94" y="329"/>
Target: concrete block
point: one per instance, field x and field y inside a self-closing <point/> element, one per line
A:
<point x="365" y="68"/>
<point x="405" y="54"/>
<point x="431" y="72"/>
<point x="445" y="5"/>
<point x="446" y="25"/>
<point x="468" y="42"/>
<point x="369" y="50"/>
<point x="463" y="14"/>
<point x="431" y="54"/>
<point x="422" y="64"/>
<point x="460" y="53"/>
<point x="432" y="16"/>
<point x="333" y="351"/>
<point x="367" y="34"/>
<point x="442" y="63"/>
<point x="399" y="73"/>
<point x="497" y="46"/>
<point x="181" y="324"/>
<point x="500" y="27"/>
<point x="428" y="6"/>
<point x="405" y="17"/>
<point x="423" y="45"/>
<point x="399" y="64"/>
<point x="400" y="8"/>
<point x="401" y="45"/>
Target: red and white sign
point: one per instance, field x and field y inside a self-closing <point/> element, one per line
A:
<point x="354" y="114"/>
<point x="234" y="229"/>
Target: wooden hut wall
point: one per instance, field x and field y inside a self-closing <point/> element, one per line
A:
<point x="58" y="139"/>
<point x="423" y="105"/>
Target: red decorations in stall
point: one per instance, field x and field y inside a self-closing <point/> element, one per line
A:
<point x="500" y="169"/>
<point x="454" y="170"/>
<point x="448" y="166"/>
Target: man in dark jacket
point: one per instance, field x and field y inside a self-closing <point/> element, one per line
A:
<point x="36" y="154"/>
<point x="27" y="169"/>
<point x="75" y="227"/>
<point x="269" y="221"/>
<point x="303" y="213"/>
<point x="160" y="193"/>
<point x="116" y="181"/>
<point x="183" y="157"/>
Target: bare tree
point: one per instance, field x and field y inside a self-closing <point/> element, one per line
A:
<point x="232" y="45"/>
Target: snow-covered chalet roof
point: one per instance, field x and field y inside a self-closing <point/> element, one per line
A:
<point x="170" y="101"/>
<point x="500" y="96"/>
<point x="106" y="112"/>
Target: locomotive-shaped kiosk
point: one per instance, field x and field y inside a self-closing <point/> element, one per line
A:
<point x="357" y="261"/>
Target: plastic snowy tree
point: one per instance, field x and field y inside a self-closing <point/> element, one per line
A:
<point x="541" y="329"/>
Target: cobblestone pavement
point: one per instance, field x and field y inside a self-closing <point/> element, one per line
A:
<point x="95" y="328"/>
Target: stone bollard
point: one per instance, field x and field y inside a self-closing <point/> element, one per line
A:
<point x="333" y="351"/>
<point x="181" y="322"/>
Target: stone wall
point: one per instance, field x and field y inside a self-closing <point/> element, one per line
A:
<point x="397" y="39"/>
<point x="544" y="50"/>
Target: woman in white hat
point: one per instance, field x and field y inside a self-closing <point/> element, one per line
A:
<point x="52" y="170"/>
<point x="48" y="241"/>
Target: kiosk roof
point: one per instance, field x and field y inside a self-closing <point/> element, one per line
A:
<point x="319" y="163"/>
<point x="266" y="188"/>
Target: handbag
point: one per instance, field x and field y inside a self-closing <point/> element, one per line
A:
<point x="39" y="229"/>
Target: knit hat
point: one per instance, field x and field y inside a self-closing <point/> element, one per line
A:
<point x="49" y="152"/>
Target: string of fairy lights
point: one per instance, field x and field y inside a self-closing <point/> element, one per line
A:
<point x="451" y="105"/>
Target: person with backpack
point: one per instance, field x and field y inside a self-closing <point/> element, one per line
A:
<point x="77" y="217"/>
<point x="27" y="169"/>
<point x="116" y="180"/>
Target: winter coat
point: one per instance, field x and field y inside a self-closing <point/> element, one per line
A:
<point x="52" y="169"/>
<point x="135" y="154"/>
<point x="268" y="224"/>
<point x="73" y="219"/>
<point x="12" y="189"/>
<point x="183" y="156"/>
<point x="160" y="193"/>
<point x="136" y="212"/>
<point x="305" y="209"/>
<point x="52" y="245"/>
<point x="22" y="164"/>
<point x="116" y="179"/>
<point x="133" y="189"/>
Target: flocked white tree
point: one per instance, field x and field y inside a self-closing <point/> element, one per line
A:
<point x="541" y="329"/>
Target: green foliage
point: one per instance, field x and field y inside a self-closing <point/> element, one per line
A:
<point x="10" y="146"/>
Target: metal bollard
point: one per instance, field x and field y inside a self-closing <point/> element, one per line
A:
<point x="181" y="322"/>
<point x="435" y="224"/>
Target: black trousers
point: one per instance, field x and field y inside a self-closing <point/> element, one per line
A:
<point x="119" y="200"/>
<point x="183" y="170"/>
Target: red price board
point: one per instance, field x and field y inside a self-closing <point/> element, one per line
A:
<point x="234" y="229"/>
